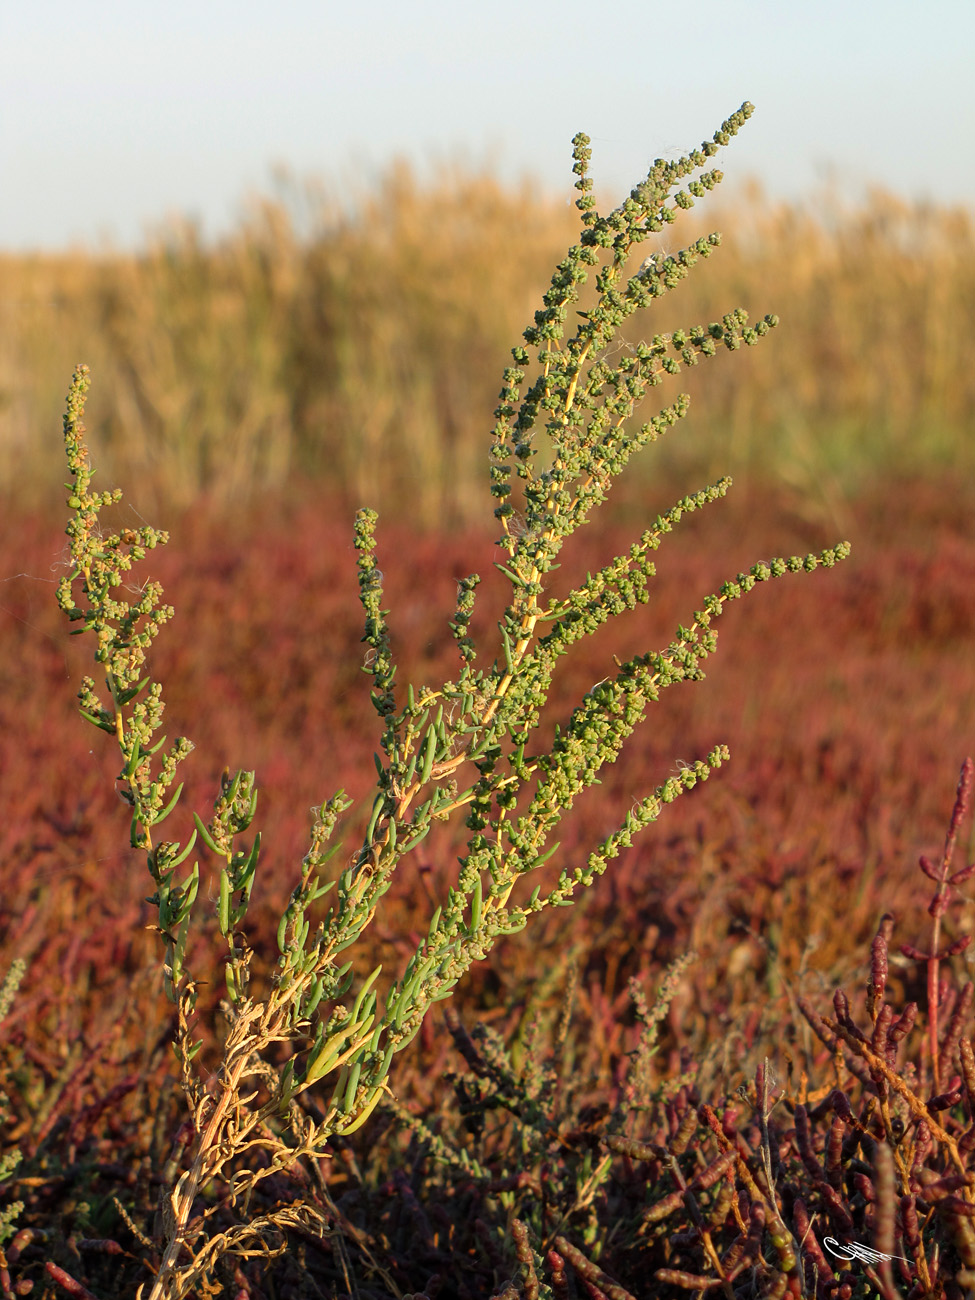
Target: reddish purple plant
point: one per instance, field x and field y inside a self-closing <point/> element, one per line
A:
<point x="945" y="880"/>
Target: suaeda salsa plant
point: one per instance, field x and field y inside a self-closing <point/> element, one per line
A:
<point x="460" y="750"/>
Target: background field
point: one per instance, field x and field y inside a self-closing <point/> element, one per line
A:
<point x="250" y="396"/>
<point x="361" y="345"/>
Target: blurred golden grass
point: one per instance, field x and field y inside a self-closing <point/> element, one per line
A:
<point x="361" y="346"/>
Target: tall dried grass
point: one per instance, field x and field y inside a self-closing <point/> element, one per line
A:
<point x="353" y="346"/>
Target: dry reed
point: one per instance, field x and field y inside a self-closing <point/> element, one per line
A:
<point x="355" y="346"/>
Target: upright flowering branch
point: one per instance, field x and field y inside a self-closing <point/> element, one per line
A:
<point x="463" y="748"/>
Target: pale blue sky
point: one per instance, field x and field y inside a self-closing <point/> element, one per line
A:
<point x="114" y="114"/>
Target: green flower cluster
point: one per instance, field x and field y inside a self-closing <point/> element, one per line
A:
<point x="462" y="748"/>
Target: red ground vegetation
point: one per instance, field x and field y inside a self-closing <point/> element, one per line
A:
<point x="847" y="698"/>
